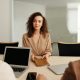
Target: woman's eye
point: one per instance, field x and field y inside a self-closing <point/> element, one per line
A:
<point x="39" y="21"/>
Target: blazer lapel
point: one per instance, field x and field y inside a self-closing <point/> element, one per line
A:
<point x="33" y="45"/>
<point x="40" y="45"/>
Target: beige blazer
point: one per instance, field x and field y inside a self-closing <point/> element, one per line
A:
<point x="43" y="46"/>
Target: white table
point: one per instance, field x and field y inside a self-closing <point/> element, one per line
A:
<point x="54" y="60"/>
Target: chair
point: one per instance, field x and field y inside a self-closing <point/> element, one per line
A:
<point x="4" y="44"/>
<point x="69" y="49"/>
<point x="55" y="51"/>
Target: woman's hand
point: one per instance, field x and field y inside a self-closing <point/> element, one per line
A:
<point x="46" y="55"/>
<point x="32" y="57"/>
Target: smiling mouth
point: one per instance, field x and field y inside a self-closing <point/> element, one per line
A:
<point x="36" y="26"/>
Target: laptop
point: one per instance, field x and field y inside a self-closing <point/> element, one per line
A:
<point x="17" y="58"/>
<point x="58" y="69"/>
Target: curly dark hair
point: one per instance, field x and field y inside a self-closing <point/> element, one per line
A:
<point x="30" y="28"/>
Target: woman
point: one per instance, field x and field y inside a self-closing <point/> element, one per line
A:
<point x="37" y="36"/>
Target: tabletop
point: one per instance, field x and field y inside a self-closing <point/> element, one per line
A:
<point x="53" y="60"/>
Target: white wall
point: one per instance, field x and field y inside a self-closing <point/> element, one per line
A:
<point x="5" y="20"/>
<point x="22" y="11"/>
<point x="78" y="37"/>
<point x="57" y="22"/>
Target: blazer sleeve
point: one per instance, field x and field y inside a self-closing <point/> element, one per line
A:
<point x="48" y="46"/>
<point x="25" y="41"/>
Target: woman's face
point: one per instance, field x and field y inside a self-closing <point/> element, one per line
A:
<point x="37" y="22"/>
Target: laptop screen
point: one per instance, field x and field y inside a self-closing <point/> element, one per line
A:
<point x="17" y="56"/>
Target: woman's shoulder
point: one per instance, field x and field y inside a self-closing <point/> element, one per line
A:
<point x="25" y="35"/>
<point x="47" y="34"/>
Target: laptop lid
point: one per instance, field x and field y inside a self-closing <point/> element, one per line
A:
<point x="58" y="69"/>
<point x="17" y="56"/>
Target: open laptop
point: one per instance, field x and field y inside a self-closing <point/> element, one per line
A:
<point x="58" y="69"/>
<point x="17" y="58"/>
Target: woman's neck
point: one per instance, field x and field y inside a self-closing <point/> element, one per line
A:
<point x="37" y="32"/>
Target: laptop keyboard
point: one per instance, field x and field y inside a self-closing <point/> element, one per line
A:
<point x="18" y="69"/>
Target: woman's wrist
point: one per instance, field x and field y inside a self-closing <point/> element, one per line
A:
<point x="48" y="54"/>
